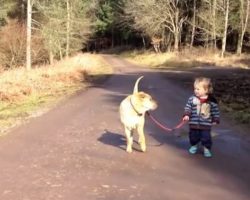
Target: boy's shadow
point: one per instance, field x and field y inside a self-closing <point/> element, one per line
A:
<point x="115" y="139"/>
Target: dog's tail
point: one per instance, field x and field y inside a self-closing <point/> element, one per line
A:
<point x="136" y="85"/>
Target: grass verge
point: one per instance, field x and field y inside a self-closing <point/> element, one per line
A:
<point x="26" y="94"/>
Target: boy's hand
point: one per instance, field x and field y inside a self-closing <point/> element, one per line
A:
<point x="185" y="118"/>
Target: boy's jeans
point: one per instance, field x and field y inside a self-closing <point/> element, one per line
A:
<point x="203" y="136"/>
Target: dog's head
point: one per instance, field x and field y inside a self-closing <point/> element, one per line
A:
<point x="141" y="100"/>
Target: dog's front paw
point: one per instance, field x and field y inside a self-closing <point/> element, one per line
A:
<point x="143" y="148"/>
<point x="129" y="149"/>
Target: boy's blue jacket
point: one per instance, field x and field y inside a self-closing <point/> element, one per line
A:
<point x="202" y="114"/>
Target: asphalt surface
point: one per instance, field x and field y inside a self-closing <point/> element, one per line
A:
<point x="76" y="151"/>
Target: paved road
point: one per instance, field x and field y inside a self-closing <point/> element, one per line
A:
<point x="77" y="150"/>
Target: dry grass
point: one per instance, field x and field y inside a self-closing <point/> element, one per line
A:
<point x="24" y="92"/>
<point x="187" y="58"/>
<point x="18" y="84"/>
<point x="146" y="58"/>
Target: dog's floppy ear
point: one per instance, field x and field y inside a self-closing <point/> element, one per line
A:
<point x="136" y="85"/>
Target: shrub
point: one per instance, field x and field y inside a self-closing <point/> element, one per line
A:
<point x="13" y="46"/>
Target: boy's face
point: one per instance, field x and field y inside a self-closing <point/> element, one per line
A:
<point x="199" y="90"/>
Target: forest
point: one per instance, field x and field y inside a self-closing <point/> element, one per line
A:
<point x="68" y="67"/>
<point x="35" y="32"/>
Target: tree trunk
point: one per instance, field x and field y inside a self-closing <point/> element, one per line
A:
<point x="224" y="40"/>
<point x="207" y="41"/>
<point x="168" y="42"/>
<point x="176" y="41"/>
<point x="68" y="29"/>
<point x="23" y="10"/>
<point x="112" y="32"/>
<point x="143" y="41"/>
<point x="194" y="25"/>
<point x="51" y="58"/>
<point x="244" y="22"/>
<point x="51" y="55"/>
<point x="28" y="43"/>
<point x="214" y="23"/>
<point x="177" y="31"/>
<point x="60" y="53"/>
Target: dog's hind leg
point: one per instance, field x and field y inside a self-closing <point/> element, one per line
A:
<point x="129" y="136"/>
<point x="142" y="141"/>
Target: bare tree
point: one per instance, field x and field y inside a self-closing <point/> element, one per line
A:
<point x="68" y="27"/>
<point x="214" y="23"/>
<point x="244" y="17"/>
<point x="28" y="44"/>
<point x="224" y="39"/>
<point x="155" y="17"/>
<point x="65" y="26"/>
<point x="193" y="23"/>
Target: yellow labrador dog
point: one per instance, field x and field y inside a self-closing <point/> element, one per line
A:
<point x="132" y="115"/>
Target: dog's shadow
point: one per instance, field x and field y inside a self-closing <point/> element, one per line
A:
<point x="116" y="140"/>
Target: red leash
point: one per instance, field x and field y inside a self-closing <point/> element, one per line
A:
<point x="165" y="127"/>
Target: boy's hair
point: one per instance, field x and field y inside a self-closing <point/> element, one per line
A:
<point x="206" y="83"/>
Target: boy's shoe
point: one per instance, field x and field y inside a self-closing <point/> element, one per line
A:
<point x="207" y="153"/>
<point x="193" y="149"/>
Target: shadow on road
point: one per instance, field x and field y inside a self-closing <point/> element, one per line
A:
<point x="118" y="140"/>
<point x="113" y="139"/>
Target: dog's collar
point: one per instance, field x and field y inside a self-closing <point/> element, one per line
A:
<point x="139" y="114"/>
